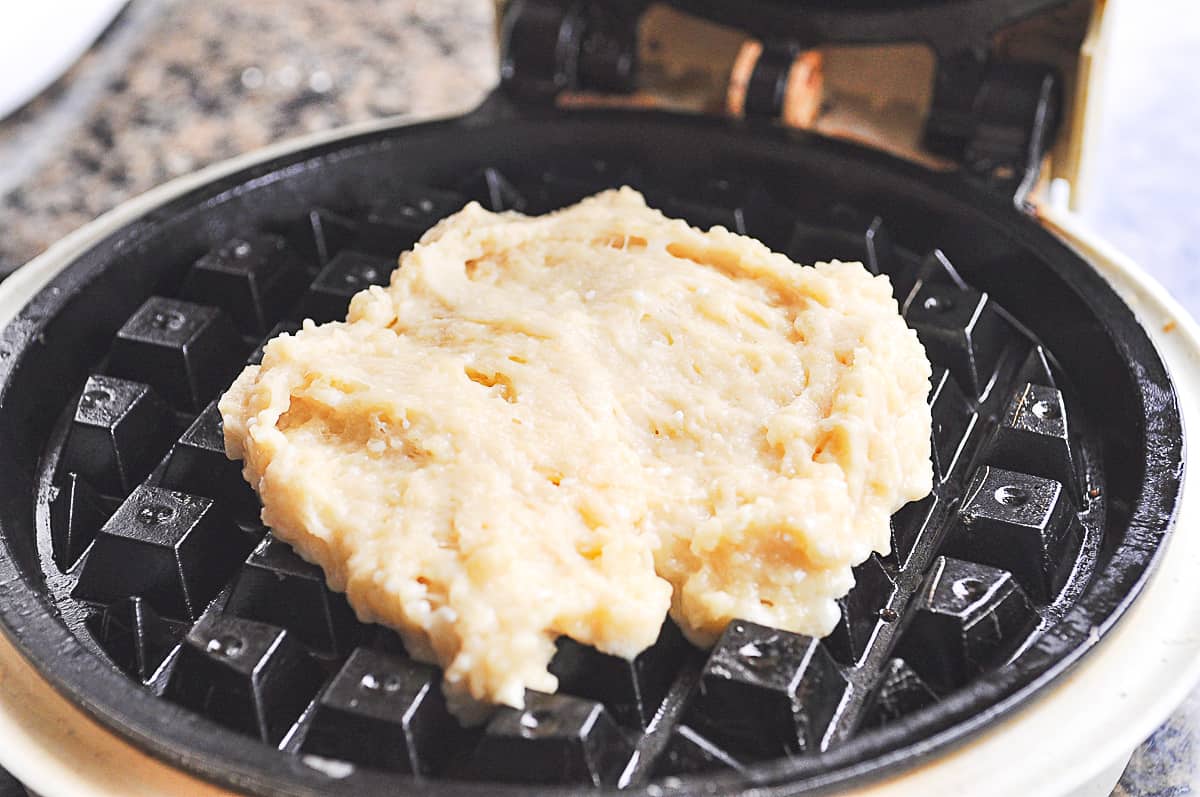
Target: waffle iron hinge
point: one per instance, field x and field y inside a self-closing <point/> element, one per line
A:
<point x="992" y="117"/>
<point x="552" y="46"/>
<point x="586" y="52"/>
<point x="995" y="118"/>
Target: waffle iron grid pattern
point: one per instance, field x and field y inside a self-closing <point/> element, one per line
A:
<point x="155" y="535"/>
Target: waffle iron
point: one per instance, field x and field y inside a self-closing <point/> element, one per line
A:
<point x="136" y="579"/>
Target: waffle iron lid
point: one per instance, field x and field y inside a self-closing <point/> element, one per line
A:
<point x="992" y="112"/>
<point x="947" y="25"/>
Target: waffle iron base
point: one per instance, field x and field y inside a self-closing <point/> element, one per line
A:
<point x="198" y="745"/>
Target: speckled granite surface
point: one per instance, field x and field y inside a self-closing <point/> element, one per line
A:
<point x="1168" y="764"/>
<point x="189" y="84"/>
<point x="175" y="86"/>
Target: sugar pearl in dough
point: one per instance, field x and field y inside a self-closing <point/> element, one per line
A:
<point x="575" y="423"/>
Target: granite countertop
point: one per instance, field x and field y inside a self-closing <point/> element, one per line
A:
<point x="174" y="86"/>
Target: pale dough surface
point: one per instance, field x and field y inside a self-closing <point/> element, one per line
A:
<point x="573" y="423"/>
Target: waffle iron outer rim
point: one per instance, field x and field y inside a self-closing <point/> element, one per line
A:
<point x="76" y="673"/>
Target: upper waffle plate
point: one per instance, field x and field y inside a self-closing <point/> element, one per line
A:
<point x="135" y="575"/>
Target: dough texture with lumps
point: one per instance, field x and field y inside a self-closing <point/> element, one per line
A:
<point x="575" y="423"/>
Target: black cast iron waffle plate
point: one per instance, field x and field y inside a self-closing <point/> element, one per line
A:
<point x="136" y="578"/>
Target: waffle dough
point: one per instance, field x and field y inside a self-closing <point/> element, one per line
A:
<point x="569" y="424"/>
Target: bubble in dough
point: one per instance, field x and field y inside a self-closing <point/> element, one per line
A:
<point x="575" y="423"/>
